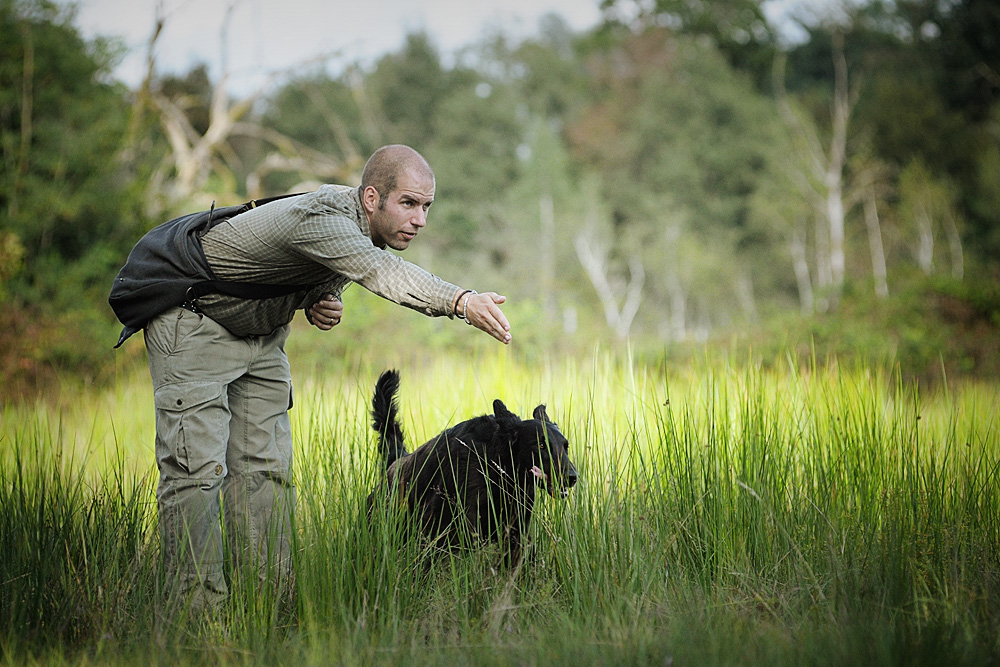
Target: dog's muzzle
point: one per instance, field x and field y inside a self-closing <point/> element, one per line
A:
<point x="568" y="479"/>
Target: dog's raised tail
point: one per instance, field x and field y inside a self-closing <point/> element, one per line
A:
<point x="385" y="417"/>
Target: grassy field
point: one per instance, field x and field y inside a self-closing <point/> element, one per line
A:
<point x="727" y="514"/>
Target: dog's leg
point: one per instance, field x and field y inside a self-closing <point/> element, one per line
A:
<point x="512" y="547"/>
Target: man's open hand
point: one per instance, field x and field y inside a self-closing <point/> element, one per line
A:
<point x="483" y="312"/>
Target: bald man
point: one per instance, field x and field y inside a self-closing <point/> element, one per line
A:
<point x="221" y="380"/>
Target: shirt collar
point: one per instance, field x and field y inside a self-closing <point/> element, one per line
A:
<point x="361" y="217"/>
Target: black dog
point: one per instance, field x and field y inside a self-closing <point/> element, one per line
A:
<point x="478" y="475"/>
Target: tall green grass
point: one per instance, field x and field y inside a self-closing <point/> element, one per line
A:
<point x="726" y="514"/>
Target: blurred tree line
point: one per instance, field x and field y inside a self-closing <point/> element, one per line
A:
<point x="677" y="172"/>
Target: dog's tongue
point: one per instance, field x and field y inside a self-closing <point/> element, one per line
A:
<point x="537" y="472"/>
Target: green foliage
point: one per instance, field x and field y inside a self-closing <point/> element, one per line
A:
<point x="737" y="28"/>
<point x="933" y="330"/>
<point x="550" y="78"/>
<point x="325" y="114"/>
<point x="928" y="90"/>
<point x="67" y="206"/>
<point x="681" y="143"/>
<point x="473" y="169"/>
<point x="408" y="87"/>
<point x="59" y="123"/>
<point x="983" y="193"/>
<point x="969" y="54"/>
<point x="654" y="133"/>
<point x="194" y="92"/>
<point x="11" y="260"/>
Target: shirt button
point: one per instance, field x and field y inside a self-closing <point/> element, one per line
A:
<point x="218" y="469"/>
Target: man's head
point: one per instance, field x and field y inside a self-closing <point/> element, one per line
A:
<point x="397" y="189"/>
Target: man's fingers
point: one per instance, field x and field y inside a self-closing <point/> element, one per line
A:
<point x="487" y="316"/>
<point x="497" y="314"/>
<point x="332" y="308"/>
<point x="327" y="313"/>
<point x="500" y="317"/>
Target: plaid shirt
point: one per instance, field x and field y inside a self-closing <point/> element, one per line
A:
<point x="320" y="239"/>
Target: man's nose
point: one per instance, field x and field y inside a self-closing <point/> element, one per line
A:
<point x="420" y="218"/>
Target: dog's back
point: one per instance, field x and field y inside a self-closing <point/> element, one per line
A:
<point x="385" y="418"/>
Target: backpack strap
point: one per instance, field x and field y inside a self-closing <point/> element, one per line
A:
<point x="243" y="290"/>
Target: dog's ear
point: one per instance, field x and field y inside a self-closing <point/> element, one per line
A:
<point x="540" y="415"/>
<point x="506" y="419"/>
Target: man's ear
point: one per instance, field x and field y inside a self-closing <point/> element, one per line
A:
<point x="370" y="199"/>
<point x="540" y="415"/>
<point x="506" y="419"/>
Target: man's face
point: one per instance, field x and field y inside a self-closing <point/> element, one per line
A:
<point x="396" y="218"/>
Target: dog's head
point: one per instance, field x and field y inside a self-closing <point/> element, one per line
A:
<point x="540" y="447"/>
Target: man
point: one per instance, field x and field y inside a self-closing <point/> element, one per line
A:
<point x="221" y="380"/>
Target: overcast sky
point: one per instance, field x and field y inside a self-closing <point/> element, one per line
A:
<point x="274" y="35"/>
<point x="269" y="35"/>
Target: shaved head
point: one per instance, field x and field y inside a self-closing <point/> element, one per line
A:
<point x="386" y="164"/>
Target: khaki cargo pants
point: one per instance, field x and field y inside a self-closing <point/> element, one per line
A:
<point x="222" y="438"/>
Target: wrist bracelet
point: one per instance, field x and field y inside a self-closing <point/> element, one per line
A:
<point x="454" y="310"/>
<point x="465" y="308"/>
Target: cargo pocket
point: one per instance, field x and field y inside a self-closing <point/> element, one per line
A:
<point x="192" y="428"/>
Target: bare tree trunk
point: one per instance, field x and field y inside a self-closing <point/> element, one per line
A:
<point x="824" y="186"/>
<point x="812" y="170"/>
<point x="633" y="297"/>
<point x="27" y="115"/>
<point x="824" y="272"/>
<point x="925" y="251"/>
<point x="834" y="176"/>
<point x="835" y="217"/>
<point x="571" y="321"/>
<point x="744" y="292"/>
<point x="807" y="302"/>
<point x="678" y="308"/>
<point x="194" y="156"/>
<point x="594" y="262"/>
<point x="955" y="245"/>
<point x="875" y="247"/>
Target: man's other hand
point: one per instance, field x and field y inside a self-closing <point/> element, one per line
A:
<point x="325" y="314"/>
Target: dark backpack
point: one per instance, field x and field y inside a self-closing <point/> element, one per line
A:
<point x="168" y="267"/>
